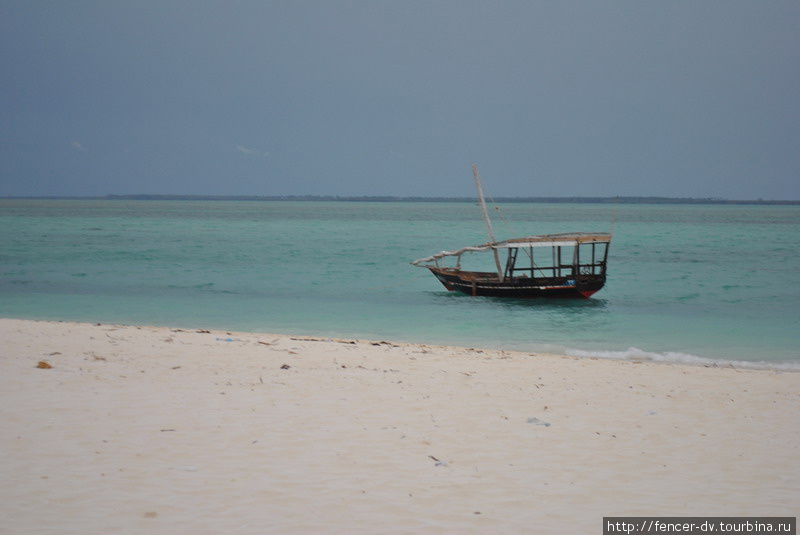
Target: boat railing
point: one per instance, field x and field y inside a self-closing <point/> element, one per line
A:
<point x="572" y="256"/>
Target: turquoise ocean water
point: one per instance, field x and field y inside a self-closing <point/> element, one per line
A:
<point x="686" y="282"/>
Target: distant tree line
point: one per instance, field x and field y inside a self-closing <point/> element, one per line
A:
<point x="554" y="200"/>
<point x="380" y="198"/>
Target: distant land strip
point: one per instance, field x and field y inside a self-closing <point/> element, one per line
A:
<point x="336" y="198"/>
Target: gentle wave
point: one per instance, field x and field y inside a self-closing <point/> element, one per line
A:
<point x="636" y="354"/>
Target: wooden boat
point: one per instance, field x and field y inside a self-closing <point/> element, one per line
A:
<point x="552" y="265"/>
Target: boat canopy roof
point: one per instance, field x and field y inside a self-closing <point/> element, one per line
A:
<point x="544" y="240"/>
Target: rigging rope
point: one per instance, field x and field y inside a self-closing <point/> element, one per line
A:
<point x="510" y="230"/>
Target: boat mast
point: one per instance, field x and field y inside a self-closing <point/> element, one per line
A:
<point x="486" y="220"/>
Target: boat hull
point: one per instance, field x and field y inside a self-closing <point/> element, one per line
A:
<point x="489" y="285"/>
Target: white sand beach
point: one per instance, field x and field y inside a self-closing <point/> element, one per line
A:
<point x="177" y="431"/>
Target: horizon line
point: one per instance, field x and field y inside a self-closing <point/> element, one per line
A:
<point x="630" y="199"/>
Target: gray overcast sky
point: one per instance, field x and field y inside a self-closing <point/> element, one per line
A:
<point x="686" y="98"/>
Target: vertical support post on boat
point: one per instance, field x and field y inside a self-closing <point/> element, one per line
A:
<point x="486" y="220"/>
<point x="533" y="275"/>
<point x="511" y="262"/>
<point x="556" y="261"/>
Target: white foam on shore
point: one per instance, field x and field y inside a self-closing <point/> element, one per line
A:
<point x="636" y="354"/>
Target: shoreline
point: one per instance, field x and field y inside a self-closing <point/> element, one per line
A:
<point x="631" y="354"/>
<point x="164" y="430"/>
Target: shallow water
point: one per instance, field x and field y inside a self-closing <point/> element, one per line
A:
<point x="686" y="282"/>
